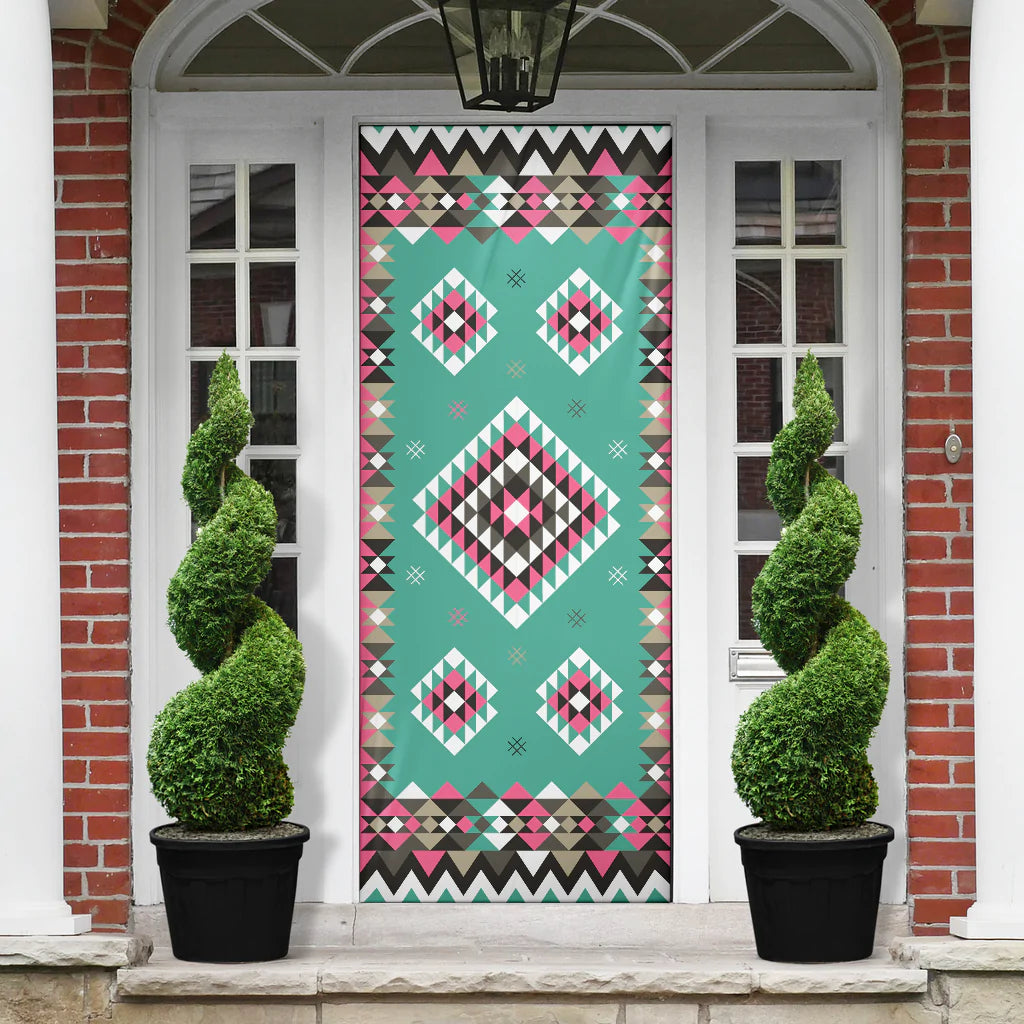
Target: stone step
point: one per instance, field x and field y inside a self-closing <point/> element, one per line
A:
<point x="414" y="972"/>
<point x="81" y="979"/>
<point x="417" y="985"/>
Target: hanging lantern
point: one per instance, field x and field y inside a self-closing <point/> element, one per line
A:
<point x="507" y="53"/>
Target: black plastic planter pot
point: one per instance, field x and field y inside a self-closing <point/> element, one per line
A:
<point x="814" y="900"/>
<point x="229" y="900"/>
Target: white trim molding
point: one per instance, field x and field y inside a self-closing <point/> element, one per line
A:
<point x="998" y="554"/>
<point x="31" y="876"/>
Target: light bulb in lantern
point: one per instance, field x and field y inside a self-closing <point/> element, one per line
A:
<point x="508" y="52"/>
<point x="522" y="52"/>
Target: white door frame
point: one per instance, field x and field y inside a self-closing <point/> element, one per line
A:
<point x="330" y="768"/>
<point x="872" y="461"/>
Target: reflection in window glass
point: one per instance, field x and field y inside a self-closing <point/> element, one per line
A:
<point x="212" y="206"/>
<point x="756" y="519"/>
<point x="212" y="305"/>
<point x="819" y="302"/>
<point x="759" y="302"/>
<point x="832" y="371"/>
<point x="835" y="464"/>
<point x="758" y="202"/>
<point x="272" y="206"/>
<point x="199" y="374"/>
<point x="272" y="305"/>
<point x="278" y="476"/>
<point x="758" y="399"/>
<point x="272" y="396"/>
<point x="749" y="567"/>
<point x="818" y="202"/>
<point x="281" y="590"/>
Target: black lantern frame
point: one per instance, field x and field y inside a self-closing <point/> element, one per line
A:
<point x="507" y="54"/>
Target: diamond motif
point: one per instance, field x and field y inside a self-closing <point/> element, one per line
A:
<point x="516" y="512"/>
<point x="453" y="321"/>
<point x="579" y="321"/>
<point x="579" y="700"/>
<point x="453" y="701"/>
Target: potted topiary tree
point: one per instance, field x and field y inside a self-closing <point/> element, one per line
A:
<point x="230" y="862"/>
<point x="813" y="864"/>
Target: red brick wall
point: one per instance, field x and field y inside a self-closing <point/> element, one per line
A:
<point x="91" y="136"/>
<point x="937" y="359"/>
<point x="91" y="140"/>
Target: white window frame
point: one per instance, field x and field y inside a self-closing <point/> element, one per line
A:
<point x="873" y="395"/>
<point x="324" y="758"/>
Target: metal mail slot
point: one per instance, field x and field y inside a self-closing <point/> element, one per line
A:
<point x="750" y="665"/>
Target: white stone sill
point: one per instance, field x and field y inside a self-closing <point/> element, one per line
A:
<point x="945" y="953"/>
<point x="587" y="973"/>
<point x="690" y="928"/>
<point x="69" y="952"/>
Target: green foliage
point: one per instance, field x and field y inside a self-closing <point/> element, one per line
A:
<point x="215" y="755"/>
<point x="800" y="756"/>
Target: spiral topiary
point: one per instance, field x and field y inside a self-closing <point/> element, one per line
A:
<point x="800" y="756"/>
<point x="215" y="757"/>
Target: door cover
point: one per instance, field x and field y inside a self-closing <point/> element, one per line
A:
<point x="515" y="567"/>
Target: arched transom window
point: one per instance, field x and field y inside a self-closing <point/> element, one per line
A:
<point x="625" y="43"/>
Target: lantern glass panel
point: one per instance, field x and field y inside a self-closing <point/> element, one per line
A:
<point x="507" y="54"/>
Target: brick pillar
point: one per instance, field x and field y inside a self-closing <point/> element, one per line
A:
<point x="997" y="153"/>
<point x="31" y="853"/>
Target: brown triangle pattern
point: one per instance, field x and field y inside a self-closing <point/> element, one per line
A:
<point x="481" y="822"/>
<point x="588" y="182"/>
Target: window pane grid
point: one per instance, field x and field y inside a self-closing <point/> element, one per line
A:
<point x="226" y="209"/>
<point x="789" y="300"/>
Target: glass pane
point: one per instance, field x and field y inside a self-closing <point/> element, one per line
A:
<point x="749" y="567"/>
<point x="272" y="305"/>
<point x="278" y="476"/>
<point x="757" y="520"/>
<point x="759" y="302"/>
<point x="212" y="206"/>
<point x="758" y="399"/>
<point x="330" y="30"/>
<point x="246" y="48"/>
<point x="700" y="30"/>
<point x="819" y="302"/>
<point x="272" y="206"/>
<point x="787" y="44"/>
<point x="212" y="305"/>
<point x="836" y="465"/>
<point x="759" y="202"/>
<point x="281" y="590"/>
<point x="199" y="375"/>
<point x="272" y="394"/>
<point x="818" y="202"/>
<point x="419" y="49"/>
<point x="605" y="47"/>
<point x="832" y="371"/>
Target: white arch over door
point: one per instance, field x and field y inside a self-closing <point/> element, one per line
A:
<point x="184" y="26"/>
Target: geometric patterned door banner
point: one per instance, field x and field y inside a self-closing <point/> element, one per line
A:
<point x="515" y="545"/>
